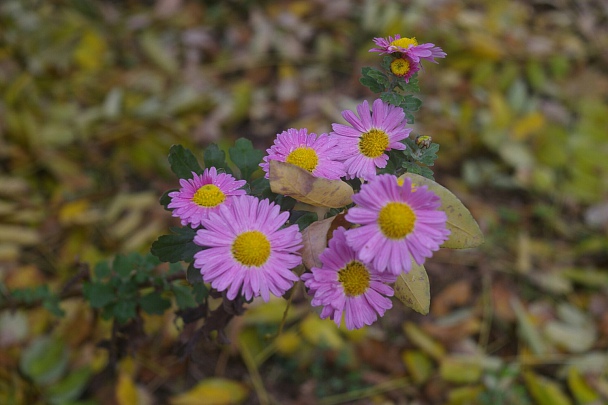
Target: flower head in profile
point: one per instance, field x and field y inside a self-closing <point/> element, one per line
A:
<point x="345" y="285"/>
<point x="398" y="223"/>
<point x="369" y="136"/>
<point x="247" y="251"/>
<point x="203" y="194"/>
<point x="317" y="155"/>
<point x="408" y="47"/>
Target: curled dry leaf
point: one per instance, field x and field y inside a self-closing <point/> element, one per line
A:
<point x="315" y="239"/>
<point x="293" y="181"/>
<point x="465" y="232"/>
<point x="414" y="290"/>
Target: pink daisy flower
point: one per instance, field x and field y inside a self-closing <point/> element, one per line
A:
<point x="364" y="142"/>
<point x="408" y="47"/>
<point x="203" y="194"/>
<point x="346" y="285"/>
<point x="247" y="252"/>
<point x="318" y="155"/>
<point x="398" y="223"/>
<point x="404" y="67"/>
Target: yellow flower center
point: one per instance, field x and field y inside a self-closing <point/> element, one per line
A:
<point x="304" y="157"/>
<point x="373" y="143"/>
<point x="354" y="277"/>
<point x="396" y="220"/>
<point x="251" y="248"/>
<point x="400" y="67"/>
<point x="208" y="196"/>
<point x="405" y="42"/>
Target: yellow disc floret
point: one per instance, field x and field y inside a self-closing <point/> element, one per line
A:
<point x="400" y="67"/>
<point x="209" y="196"/>
<point x="251" y="248"/>
<point x="355" y="278"/>
<point x="396" y="220"/>
<point x="405" y="42"/>
<point x="304" y="157"/>
<point x="373" y="143"/>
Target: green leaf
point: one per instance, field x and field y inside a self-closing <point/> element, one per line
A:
<point x="124" y="310"/>
<point x="411" y="103"/>
<point x="98" y="294"/>
<point x="69" y="388"/>
<point x="154" y="303"/>
<point x="545" y="391"/>
<point x="373" y="79"/>
<point x="201" y="292"/>
<point x="51" y="304"/>
<point x="411" y="86"/>
<point x="183" y="162"/>
<point x="260" y="188"/>
<point x="464" y="230"/>
<point x="414" y="290"/>
<point x="165" y="200"/>
<point x="380" y="78"/>
<point x="429" y="155"/>
<point x="102" y="270"/>
<point x="245" y="157"/>
<point x="414" y="168"/>
<point x="123" y="266"/>
<point x="184" y="297"/>
<point x="215" y="157"/>
<point x="305" y="219"/>
<point x="45" y="360"/>
<point x="193" y="275"/>
<point x="392" y="98"/>
<point x="173" y="248"/>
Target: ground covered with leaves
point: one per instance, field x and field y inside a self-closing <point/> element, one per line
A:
<point x="95" y="93"/>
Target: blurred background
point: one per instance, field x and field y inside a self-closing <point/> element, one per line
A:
<point x="94" y="93"/>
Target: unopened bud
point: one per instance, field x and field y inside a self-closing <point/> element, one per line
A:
<point x="424" y="141"/>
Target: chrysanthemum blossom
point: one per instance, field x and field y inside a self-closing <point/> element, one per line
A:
<point x="408" y="47"/>
<point x="345" y="285"/>
<point x="369" y="136"/>
<point x="404" y="67"/>
<point x="398" y="223"/>
<point x="247" y="251"/>
<point x="203" y="194"/>
<point x="318" y="155"/>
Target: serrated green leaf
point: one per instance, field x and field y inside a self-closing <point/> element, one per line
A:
<point x="411" y="103"/>
<point x="392" y="98"/>
<point x="183" y="162"/>
<point x="413" y="289"/>
<point x="245" y="157"/>
<point x="154" y="303"/>
<point x="429" y="155"/>
<point x="184" y="297"/>
<point x="124" y="310"/>
<point x="215" y="157"/>
<point x="102" y="270"/>
<point x="409" y="117"/>
<point x="98" y="294"/>
<point x="123" y="266"/>
<point x="177" y="247"/>
<point x="371" y="84"/>
<point x="464" y="230"/>
<point x="419" y="170"/>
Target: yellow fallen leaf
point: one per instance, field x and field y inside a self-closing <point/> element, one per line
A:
<point x="414" y="290"/>
<point x="126" y="391"/>
<point x="213" y="391"/>
<point x="321" y="332"/>
<point x="293" y="181"/>
<point x="464" y="230"/>
<point x="423" y="341"/>
<point x="314" y="239"/>
<point x="418" y="365"/>
<point x="545" y="391"/>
